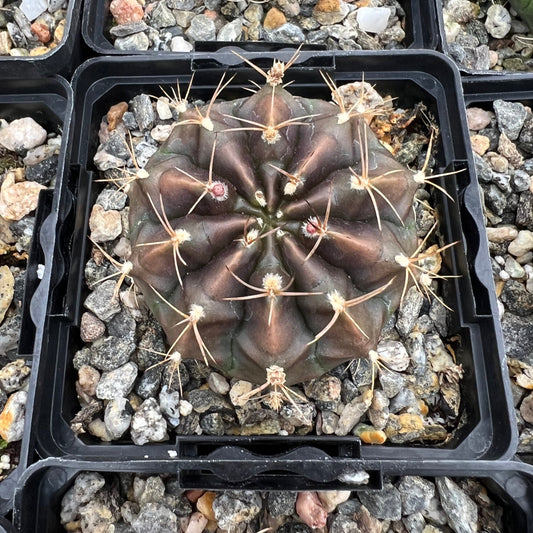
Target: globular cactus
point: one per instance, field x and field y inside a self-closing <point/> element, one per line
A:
<point x="273" y="235"/>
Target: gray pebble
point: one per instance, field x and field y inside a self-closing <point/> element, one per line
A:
<point x="281" y="503"/>
<point x="169" y="401"/>
<point x="185" y="5"/>
<point x="91" y="327"/>
<point x="212" y="424"/>
<point x="148" y="424"/>
<point x="524" y="211"/>
<point x="525" y="139"/>
<point x="409" y="311"/>
<point x="415" y="493"/>
<point x="201" y="28"/>
<point x="9" y="334"/>
<point x="143" y="112"/>
<point x="112" y="199"/>
<point x="149" y="490"/>
<point x="286" y="33"/>
<point x="122" y="325"/>
<point x="149" y="382"/>
<point x="155" y="518"/>
<point x="511" y="117"/>
<point x="123" y="30"/>
<point x="351" y="415"/>
<point x="85" y="487"/>
<point x="414" y="523"/>
<point x="461" y="510"/>
<point x="179" y="44"/>
<point x="102" y="302"/>
<point x="498" y="21"/>
<point x="117" y="383"/>
<point x="13" y="375"/>
<point x="235" y="507"/>
<point x="520" y="181"/>
<point x="43" y="172"/>
<point x="385" y="504"/>
<point x="117" y="417"/>
<point x="294" y="527"/>
<point x="207" y="401"/>
<point x="232" y="31"/>
<point x="343" y="524"/>
<point x="111" y="352"/>
<point x="404" y="400"/>
<point x="391" y="382"/>
<point x="161" y="16"/>
<point x="517" y="299"/>
<point x="136" y="42"/>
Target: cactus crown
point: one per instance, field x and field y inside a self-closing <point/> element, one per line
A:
<point x="273" y="235"/>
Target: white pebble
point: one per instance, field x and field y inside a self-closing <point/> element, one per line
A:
<point x="373" y="19"/>
<point x="504" y="275"/>
<point x="185" y="408"/>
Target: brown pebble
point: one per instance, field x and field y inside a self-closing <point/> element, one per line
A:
<point x="193" y="495"/>
<point x="91" y="327"/>
<point x="41" y="30"/>
<point x="274" y="19"/>
<point x="526" y="408"/>
<point x="480" y="144"/>
<point x="125" y="11"/>
<point x="205" y="505"/>
<point x="115" y="114"/>
<point x="373" y="436"/>
<point x="328" y="6"/>
<point x="311" y="510"/>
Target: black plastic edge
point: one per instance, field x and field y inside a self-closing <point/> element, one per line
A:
<point x="421" y="28"/>
<point x="41" y="487"/>
<point x="56" y="95"/>
<point x="495" y="439"/>
<point x="62" y="60"/>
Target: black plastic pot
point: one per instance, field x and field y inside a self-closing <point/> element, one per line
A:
<point x="49" y="102"/>
<point x="428" y="76"/>
<point x="61" y="60"/>
<point x="443" y="46"/>
<point x="420" y="27"/>
<point x="39" y="493"/>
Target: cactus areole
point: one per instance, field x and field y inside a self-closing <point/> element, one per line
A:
<point x="269" y="233"/>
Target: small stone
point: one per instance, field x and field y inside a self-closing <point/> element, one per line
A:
<point x="179" y="44"/>
<point x="508" y="149"/>
<point x="394" y="355"/>
<point x="5" y="43"/>
<point x="291" y="8"/>
<point x="207" y="401"/>
<point x="205" y="505"/>
<point x="7" y="287"/>
<point x="231" y="32"/>
<point x="148" y="424"/>
<point x="517" y="299"/>
<point x="18" y="199"/>
<point x="480" y="144"/>
<point x="88" y="378"/>
<point x="311" y="510"/>
<point x="104" y="225"/>
<point x="385" y="504"/>
<point x="502" y="234"/>
<point x="331" y="499"/>
<point x="12" y="417"/>
<point x="33" y="8"/>
<point x="136" y="42"/>
<point x="391" y="382"/>
<point x="238" y="391"/>
<point x="288" y="33"/>
<point x="498" y="162"/>
<point x="44" y="171"/>
<point x="91" y="327"/>
<point x="510" y="115"/>
<point x="102" y="301"/>
<point x="369" y="434"/>
<point x="522" y="244"/>
<point x="235" y="507"/>
<point x="218" y="383"/>
<point x="477" y="118"/>
<point x="111" y="352"/>
<point x="156" y="518"/>
<point x="115" y="114"/>
<point x="117" y="417"/>
<point x="143" y="111"/>
<point x="125" y="11"/>
<point x="514" y="268"/>
<point x="329" y="422"/>
<point x="201" y="28"/>
<point x="373" y="19"/>
<point x="117" y="383"/>
<point x="415" y="493"/>
<point x="281" y="503"/>
<point x="274" y="19"/>
<point x="526" y="408"/>
<point x="404" y="428"/>
<point x="123" y="30"/>
<point x="169" y="401"/>
<point x="13" y="375"/>
<point x="409" y="311"/>
<point x="326" y="390"/>
<point x="461" y="510"/>
<point x="161" y="16"/>
<point x="498" y="21"/>
<point x="197" y="523"/>
<point x="352" y="413"/>
<point x="42" y="31"/>
<point x="86" y="486"/>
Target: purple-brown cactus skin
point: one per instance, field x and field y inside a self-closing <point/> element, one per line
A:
<point x="269" y="234"/>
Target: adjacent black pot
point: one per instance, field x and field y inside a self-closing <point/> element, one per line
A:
<point x="49" y="102"/>
<point x="61" y="60"/>
<point x="41" y="488"/>
<point x="420" y="27"/>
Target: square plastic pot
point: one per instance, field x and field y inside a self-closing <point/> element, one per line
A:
<point x="420" y="28"/>
<point x="49" y="102"/>
<point x="62" y="60"/>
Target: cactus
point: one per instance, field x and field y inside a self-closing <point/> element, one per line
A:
<point x="273" y="235"/>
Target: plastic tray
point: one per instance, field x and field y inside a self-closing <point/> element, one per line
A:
<point x="39" y="493"/>
<point x="101" y="82"/>
<point x="50" y="103"/>
<point x="61" y="60"/>
<point x="420" y="27"/>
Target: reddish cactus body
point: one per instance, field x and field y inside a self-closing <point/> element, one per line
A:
<point x="258" y="234"/>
